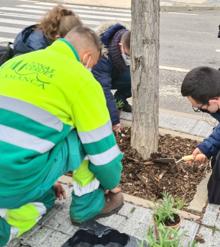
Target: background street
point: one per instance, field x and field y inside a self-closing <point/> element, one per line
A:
<point x="188" y="39"/>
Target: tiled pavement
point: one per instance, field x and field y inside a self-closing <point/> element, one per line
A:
<point x="54" y="229"/>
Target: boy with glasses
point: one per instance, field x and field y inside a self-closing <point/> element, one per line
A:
<point x="201" y="86"/>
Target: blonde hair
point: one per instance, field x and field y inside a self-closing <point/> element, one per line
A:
<point x="58" y="22"/>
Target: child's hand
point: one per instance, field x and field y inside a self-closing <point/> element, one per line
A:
<point x="59" y="191"/>
<point x="117" y="128"/>
<point x="199" y="156"/>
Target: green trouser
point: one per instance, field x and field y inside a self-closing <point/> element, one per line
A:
<point x="18" y="221"/>
<point x="87" y="206"/>
<point x="88" y="197"/>
<point x="14" y="222"/>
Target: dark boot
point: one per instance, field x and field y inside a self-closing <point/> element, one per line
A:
<point x="113" y="203"/>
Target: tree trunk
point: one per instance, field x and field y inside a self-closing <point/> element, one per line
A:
<point x="145" y="75"/>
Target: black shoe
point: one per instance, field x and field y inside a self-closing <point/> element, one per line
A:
<point x="126" y="107"/>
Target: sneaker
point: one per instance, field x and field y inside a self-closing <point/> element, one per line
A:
<point x="113" y="203"/>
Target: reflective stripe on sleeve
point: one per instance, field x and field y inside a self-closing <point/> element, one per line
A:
<point x="105" y="157"/>
<point x="97" y="134"/>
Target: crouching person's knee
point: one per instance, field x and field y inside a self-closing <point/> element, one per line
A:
<point x="5" y="231"/>
<point x="15" y="222"/>
<point x="87" y="206"/>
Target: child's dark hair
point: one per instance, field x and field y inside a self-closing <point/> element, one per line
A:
<point x="202" y="84"/>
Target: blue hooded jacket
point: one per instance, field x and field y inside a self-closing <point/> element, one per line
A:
<point x="211" y="145"/>
<point x="107" y="72"/>
<point x="30" y="39"/>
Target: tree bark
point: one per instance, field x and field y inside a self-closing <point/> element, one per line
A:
<point x="145" y="75"/>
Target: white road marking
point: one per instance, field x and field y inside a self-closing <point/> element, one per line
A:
<point x="10" y="29"/>
<point x="38" y="17"/>
<point x="4" y="39"/>
<point x="174" y="69"/>
<point x="15" y="21"/>
<point x="180" y="13"/>
<point x="86" y="7"/>
<point x="81" y="15"/>
<point x="78" y="10"/>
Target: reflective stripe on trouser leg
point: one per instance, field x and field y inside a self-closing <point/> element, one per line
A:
<point x="18" y="221"/>
<point x="25" y="217"/>
<point x="88" y="199"/>
<point x="84" y="180"/>
<point x="14" y="222"/>
<point x="87" y="206"/>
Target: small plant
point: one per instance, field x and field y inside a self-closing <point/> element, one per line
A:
<point x="166" y="210"/>
<point x="193" y="244"/>
<point x="166" y="237"/>
<point x="119" y="104"/>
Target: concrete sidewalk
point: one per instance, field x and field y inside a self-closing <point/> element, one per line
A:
<point x="195" y="126"/>
<point x="55" y="229"/>
<point x="133" y="219"/>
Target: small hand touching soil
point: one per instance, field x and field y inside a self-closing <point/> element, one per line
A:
<point x="147" y="179"/>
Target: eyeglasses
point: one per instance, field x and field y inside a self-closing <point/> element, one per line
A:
<point x="198" y="108"/>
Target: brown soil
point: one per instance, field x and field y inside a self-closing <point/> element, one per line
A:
<point x="169" y="222"/>
<point x="148" y="179"/>
<point x="174" y="222"/>
<point x="199" y="238"/>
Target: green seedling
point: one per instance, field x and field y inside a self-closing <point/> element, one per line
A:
<point x="166" y="209"/>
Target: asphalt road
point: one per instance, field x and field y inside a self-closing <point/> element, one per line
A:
<point x="187" y="39"/>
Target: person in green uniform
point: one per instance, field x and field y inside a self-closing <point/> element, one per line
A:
<point x="54" y="119"/>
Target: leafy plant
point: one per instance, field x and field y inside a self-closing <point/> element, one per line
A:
<point x="166" y="209"/>
<point x="166" y="237"/>
<point x="119" y="104"/>
<point x="179" y="203"/>
<point x="193" y="244"/>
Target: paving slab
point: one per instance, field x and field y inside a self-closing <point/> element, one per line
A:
<point x="56" y="228"/>
<point x="211" y="237"/>
<point x="211" y="217"/>
<point x="190" y="229"/>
